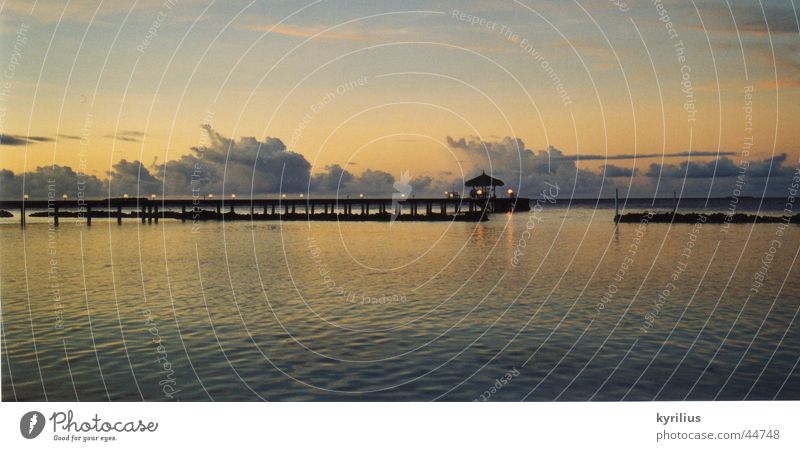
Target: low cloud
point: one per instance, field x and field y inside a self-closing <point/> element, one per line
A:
<point x="259" y="167"/>
<point x="610" y="170"/>
<point x="72" y="137"/>
<point x="55" y="179"/>
<point x="20" y="140"/>
<point x="133" y="178"/>
<point x="720" y="168"/>
<point x="244" y="166"/>
<point x="128" y="136"/>
<point x="525" y="170"/>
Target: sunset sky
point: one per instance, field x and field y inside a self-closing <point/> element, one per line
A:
<point x="383" y="84"/>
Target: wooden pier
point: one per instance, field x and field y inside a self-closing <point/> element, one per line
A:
<point x="150" y="210"/>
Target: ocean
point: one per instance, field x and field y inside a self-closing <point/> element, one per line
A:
<point x="558" y="303"/>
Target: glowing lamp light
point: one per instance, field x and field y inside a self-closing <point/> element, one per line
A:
<point x="25" y="197"/>
<point x="480" y="192"/>
<point x="64" y="197"/>
<point x="210" y="196"/>
<point x="233" y="196"/>
<point x="283" y="196"/>
<point x="302" y="195"/>
<point x="402" y="195"/>
<point x="152" y="196"/>
<point x="361" y="196"/>
<point x="124" y="196"/>
<point x="510" y="192"/>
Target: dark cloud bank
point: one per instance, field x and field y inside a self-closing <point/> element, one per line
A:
<point x="268" y="167"/>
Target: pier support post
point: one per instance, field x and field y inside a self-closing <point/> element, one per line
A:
<point x="55" y="214"/>
<point x="219" y="207"/>
<point x="183" y="213"/>
<point x="155" y="213"/>
<point x="119" y="214"/>
<point x="143" y="213"/>
<point x="88" y="215"/>
<point x="22" y="215"/>
<point x="149" y="213"/>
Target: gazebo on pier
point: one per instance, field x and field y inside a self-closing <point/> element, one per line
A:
<point x="483" y="186"/>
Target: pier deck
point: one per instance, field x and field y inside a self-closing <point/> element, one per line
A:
<point x="150" y="210"/>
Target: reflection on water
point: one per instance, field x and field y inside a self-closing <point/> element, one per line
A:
<point x="408" y="311"/>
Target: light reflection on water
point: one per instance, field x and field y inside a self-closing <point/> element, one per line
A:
<point x="409" y="311"/>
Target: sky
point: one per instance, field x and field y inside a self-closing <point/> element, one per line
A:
<point x="290" y="96"/>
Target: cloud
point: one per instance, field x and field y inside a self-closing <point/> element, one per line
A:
<point x="260" y="167"/>
<point x="306" y="32"/>
<point x="633" y="156"/>
<point x="526" y="171"/>
<point x="331" y="180"/>
<point x="778" y="20"/>
<point x="127" y="135"/>
<point x="132" y="177"/>
<point x="78" y="11"/>
<point x="750" y="19"/>
<point x="337" y="180"/>
<point x="56" y="179"/>
<point x="243" y="167"/>
<point x="559" y="156"/>
<point x="609" y="170"/>
<point x="720" y="168"/>
<point x="20" y="140"/>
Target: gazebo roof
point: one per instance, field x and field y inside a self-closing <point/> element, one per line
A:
<point x="484" y="180"/>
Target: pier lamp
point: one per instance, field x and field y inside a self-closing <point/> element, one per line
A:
<point x="65" y="197"/>
<point x="124" y="196"/>
<point x="479" y="192"/>
<point x="233" y="196"/>
<point x="361" y="195"/>
<point x="510" y="192"/>
<point x="402" y="195"/>
<point x="210" y="196"/>
<point x="302" y="195"/>
<point x="152" y="196"/>
<point x="25" y="197"/>
<point x="283" y="196"/>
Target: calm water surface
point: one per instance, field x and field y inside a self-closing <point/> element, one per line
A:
<point x="410" y="311"/>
